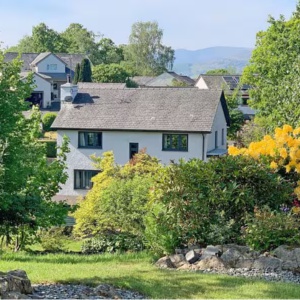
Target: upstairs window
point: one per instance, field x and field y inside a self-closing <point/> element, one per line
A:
<point x="82" y="179"/>
<point x="175" y="142"/>
<point x="51" y="67"/>
<point x="90" y="140"/>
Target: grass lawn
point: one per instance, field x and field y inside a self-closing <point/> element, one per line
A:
<point x="135" y="271"/>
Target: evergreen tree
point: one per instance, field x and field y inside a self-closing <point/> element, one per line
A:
<point x="85" y="71"/>
<point x="77" y="74"/>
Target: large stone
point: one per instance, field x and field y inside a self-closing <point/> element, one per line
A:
<point x="231" y="257"/>
<point x="185" y="267"/>
<point x="14" y="295"/>
<point x="244" y="263"/>
<point x="192" y="256"/>
<point x="285" y="253"/>
<point x="244" y="250"/>
<point x="267" y="263"/>
<point x="165" y="262"/>
<point x="288" y="265"/>
<point x="178" y="260"/>
<point x="210" y="251"/>
<point x="212" y="262"/>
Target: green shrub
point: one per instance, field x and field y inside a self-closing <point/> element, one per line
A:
<point x="52" y="240"/>
<point x="116" y="242"/>
<point x="187" y="199"/>
<point x="51" y="150"/>
<point x="47" y="120"/>
<point x="266" y="229"/>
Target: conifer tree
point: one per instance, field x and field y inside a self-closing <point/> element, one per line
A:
<point x="85" y="71"/>
<point x="77" y="74"/>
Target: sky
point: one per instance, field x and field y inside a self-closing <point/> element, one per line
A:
<point x="187" y="24"/>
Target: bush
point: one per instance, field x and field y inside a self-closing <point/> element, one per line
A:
<point x="116" y="242"/>
<point x="51" y="150"/>
<point x="187" y="199"/>
<point x="52" y="240"/>
<point x="267" y="229"/>
<point x="47" y="120"/>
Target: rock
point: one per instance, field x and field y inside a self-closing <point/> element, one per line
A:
<point x="186" y="267"/>
<point x="179" y="251"/>
<point x="267" y="263"/>
<point x="231" y="257"/>
<point x="212" y="262"/>
<point x="165" y="262"/>
<point x="178" y="260"/>
<point x="14" y="295"/>
<point x="210" y="251"/>
<point x="244" y="263"/>
<point x="285" y="253"/>
<point x="192" y="256"/>
<point x="288" y="265"/>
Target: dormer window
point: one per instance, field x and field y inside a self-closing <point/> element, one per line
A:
<point x="51" y="67"/>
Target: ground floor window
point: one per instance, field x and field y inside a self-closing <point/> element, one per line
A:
<point x="82" y="179"/>
<point x="175" y="142"/>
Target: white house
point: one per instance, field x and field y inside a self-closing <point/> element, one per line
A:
<point x="171" y="123"/>
<point x="50" y="71"/>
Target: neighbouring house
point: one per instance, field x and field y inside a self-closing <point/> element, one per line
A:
<point x="49" y="73"/>
<point x="166" y="79"/>
<point x="229" y="83"/>
<point x="170" y="123"/>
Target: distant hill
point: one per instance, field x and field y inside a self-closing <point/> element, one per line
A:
<point x="195" y="62"/>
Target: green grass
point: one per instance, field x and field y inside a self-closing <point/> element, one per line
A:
<point x="135" y="271"/>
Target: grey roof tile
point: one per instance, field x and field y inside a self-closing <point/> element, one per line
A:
<point x="100" y="85"/>
<point x="146" y="109"/>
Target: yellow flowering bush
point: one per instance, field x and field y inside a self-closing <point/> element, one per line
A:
<point x="281" y="151"/>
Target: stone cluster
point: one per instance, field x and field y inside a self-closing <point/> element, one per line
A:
<point x="16" y="285"/>
<point x="282" y="265"/>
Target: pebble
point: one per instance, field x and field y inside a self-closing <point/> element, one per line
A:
<point x="70" y="291"/>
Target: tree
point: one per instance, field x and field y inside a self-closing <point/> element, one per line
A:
<point x="108" y="52"/>
<point x="218" y="72"/>
<point x="109" y="73"/>
<point x="45" y="39"/>
<point x="27" y="181"/>
<point x="145" y="51"/>
<point x="85" y="71"/>
<point x="77" y="74"/>
<point x="274" y="72"/>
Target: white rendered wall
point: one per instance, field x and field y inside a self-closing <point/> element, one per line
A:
<point x="218" y="124"/>
<point x="44" y="86"/>
<point x="51" y="60"/>
<point x="201" y="84"/>
<point x="79" y="158"/>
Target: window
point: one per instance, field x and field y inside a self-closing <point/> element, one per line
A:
<point x="82" y="179"/>
<point x="175" y="142"/>
<point x="90" y="140"/>
<point x="52" y="67"/>
<point x="223" y="136"/>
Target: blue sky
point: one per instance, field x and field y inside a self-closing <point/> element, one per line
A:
<point x="189" y="24"/>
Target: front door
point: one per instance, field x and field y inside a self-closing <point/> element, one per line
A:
<point x="133" y="149"/>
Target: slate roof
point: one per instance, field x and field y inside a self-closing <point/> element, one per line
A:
<point x="99" y="85"/>
<point x="28" y="58"/>
<point x="166" y="79"/>
<point x="142" y="80"/>
<point x="213" y="81"/>
<point x="146" y="109"/>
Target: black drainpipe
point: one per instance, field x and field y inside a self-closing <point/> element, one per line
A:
<point x="203" y="146"/>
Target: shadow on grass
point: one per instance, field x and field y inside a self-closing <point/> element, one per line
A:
<point x="174" y="284"/>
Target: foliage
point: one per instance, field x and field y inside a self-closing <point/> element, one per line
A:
<point x="50" y="148"/>
<point x="281" y="151"/>
<point x="77" y="74"/>
<point x="118" y="198"/>
<point x="236" y="123"/>
<point x="218" y="72"/>
<point x="108" y="52"/>
<point x="145" y="52"/>
<point x="274" y="72"/>
<point x="109" y="73"/>
<point x="113" y="242"/>
<point x="266" y="229"/>
<point x="187" y="199"/>
<point x="85" y="71"/>
<point x="51" y="239"/>
<point x="178" y="83"/>
<point x="27" y="181"/>
<point x="47" y="120"/>
<point x="251" y="131"/>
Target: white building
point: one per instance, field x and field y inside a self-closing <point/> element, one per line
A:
<point x="171" y="123"/>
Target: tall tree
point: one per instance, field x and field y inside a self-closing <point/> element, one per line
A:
<point x="77" y="74"/>
<point x="85" y="71"/>
<point x="108" y="52"/>
<point x="274" y="73"/>
<point x="145" y="50"/>
<point x="27" y="181"/>
<point x="45" y="39"/>
<point x="109" y="73"/>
